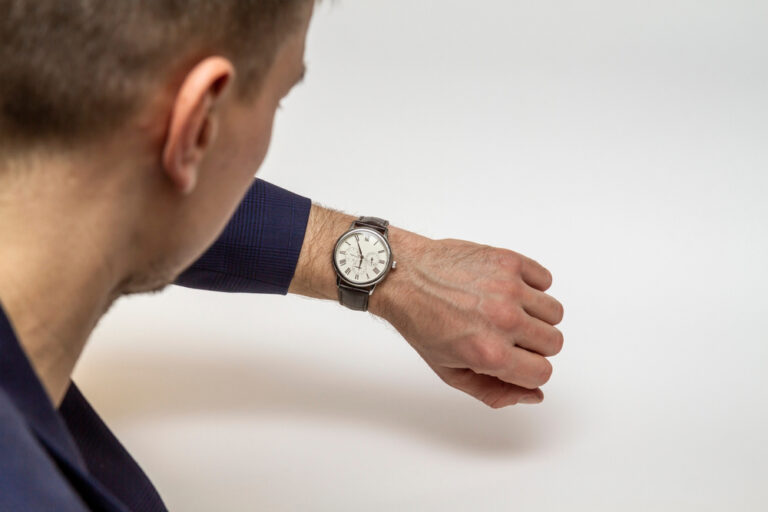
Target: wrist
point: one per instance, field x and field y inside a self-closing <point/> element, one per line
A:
<point x="407" y="248"/>
<point x="314" y="275"/>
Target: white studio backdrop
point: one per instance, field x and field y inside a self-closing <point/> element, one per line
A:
<point x="621" y="144"/>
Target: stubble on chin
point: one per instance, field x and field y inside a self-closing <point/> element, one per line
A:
<point x="150" y="280"/>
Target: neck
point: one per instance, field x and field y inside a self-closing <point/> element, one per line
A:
<point x="56" y="277"/>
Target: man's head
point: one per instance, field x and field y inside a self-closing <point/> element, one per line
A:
<point x="74" y="68"/>
<point x="167" y="104"/>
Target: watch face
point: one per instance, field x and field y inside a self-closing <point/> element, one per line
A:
<point x="362" y="256"/>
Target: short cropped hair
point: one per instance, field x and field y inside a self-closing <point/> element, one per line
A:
<point x="75" y="69"/>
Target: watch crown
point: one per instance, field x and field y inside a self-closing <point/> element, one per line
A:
<point x="394" y="264"/>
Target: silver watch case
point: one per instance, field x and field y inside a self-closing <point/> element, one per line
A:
<point x="390" y="258"/>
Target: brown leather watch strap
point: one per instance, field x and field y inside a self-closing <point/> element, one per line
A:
<point x="376" y="223"/>
<point x="353" y="298"/>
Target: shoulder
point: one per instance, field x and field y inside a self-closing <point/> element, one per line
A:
<point x="29" y="479"/>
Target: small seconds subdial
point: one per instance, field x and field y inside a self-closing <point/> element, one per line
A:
<point x="362" y="256"/>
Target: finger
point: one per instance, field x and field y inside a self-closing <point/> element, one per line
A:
<point x="523" y="368"/>
<point x="489" y="390"/>
<point x="535" y="274"/>
<point x="538" y="336"/>
<point x="542" y="306"/>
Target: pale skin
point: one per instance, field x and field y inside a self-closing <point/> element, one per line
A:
<point x="478" y="315"/>
<point x="129" y="212"/>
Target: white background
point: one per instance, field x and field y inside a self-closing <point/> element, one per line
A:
<point x="621" y="144"/>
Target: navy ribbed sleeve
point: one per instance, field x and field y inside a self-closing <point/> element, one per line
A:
<point x="258" y="250"/>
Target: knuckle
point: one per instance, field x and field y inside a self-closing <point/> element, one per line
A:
<point x="509" y="260"/>
<point x="514" y="291"/>
<point x="512" y="320"/>
<point x="487" y="355"/>
<point x="503" y="315"/>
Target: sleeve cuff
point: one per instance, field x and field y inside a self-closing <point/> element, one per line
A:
<point x="259" y="248"/>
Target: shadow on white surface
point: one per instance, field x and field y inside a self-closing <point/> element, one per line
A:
<point x="135" y="388"/>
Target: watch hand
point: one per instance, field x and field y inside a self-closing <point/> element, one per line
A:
<point x="361" y="252"/>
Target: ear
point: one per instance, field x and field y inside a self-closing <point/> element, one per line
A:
<point x="194" y="120"/>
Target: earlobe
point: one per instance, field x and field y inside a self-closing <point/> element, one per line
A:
<point x="193" y="120"/>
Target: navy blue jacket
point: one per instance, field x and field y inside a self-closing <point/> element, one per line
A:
<point x="67" y="459"/>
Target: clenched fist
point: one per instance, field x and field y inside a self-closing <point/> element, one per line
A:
<point x="477" y="315"/>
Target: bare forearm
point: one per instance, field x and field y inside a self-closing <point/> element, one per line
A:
<point x="314" y="276"/>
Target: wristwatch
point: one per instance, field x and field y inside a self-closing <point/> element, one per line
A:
<point x="362" y="258"/>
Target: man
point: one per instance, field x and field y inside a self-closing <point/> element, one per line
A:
<point x="129" y="135"/>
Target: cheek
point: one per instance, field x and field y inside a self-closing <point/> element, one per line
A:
<point x="259" y="143"/>
<point x="240" y="151"/>
<point x="226" y="175"/>
<point x="243" y="144"/>
<point x="248" y="142"/>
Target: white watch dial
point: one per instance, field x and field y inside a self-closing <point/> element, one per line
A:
<point x="362" y="256"/>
